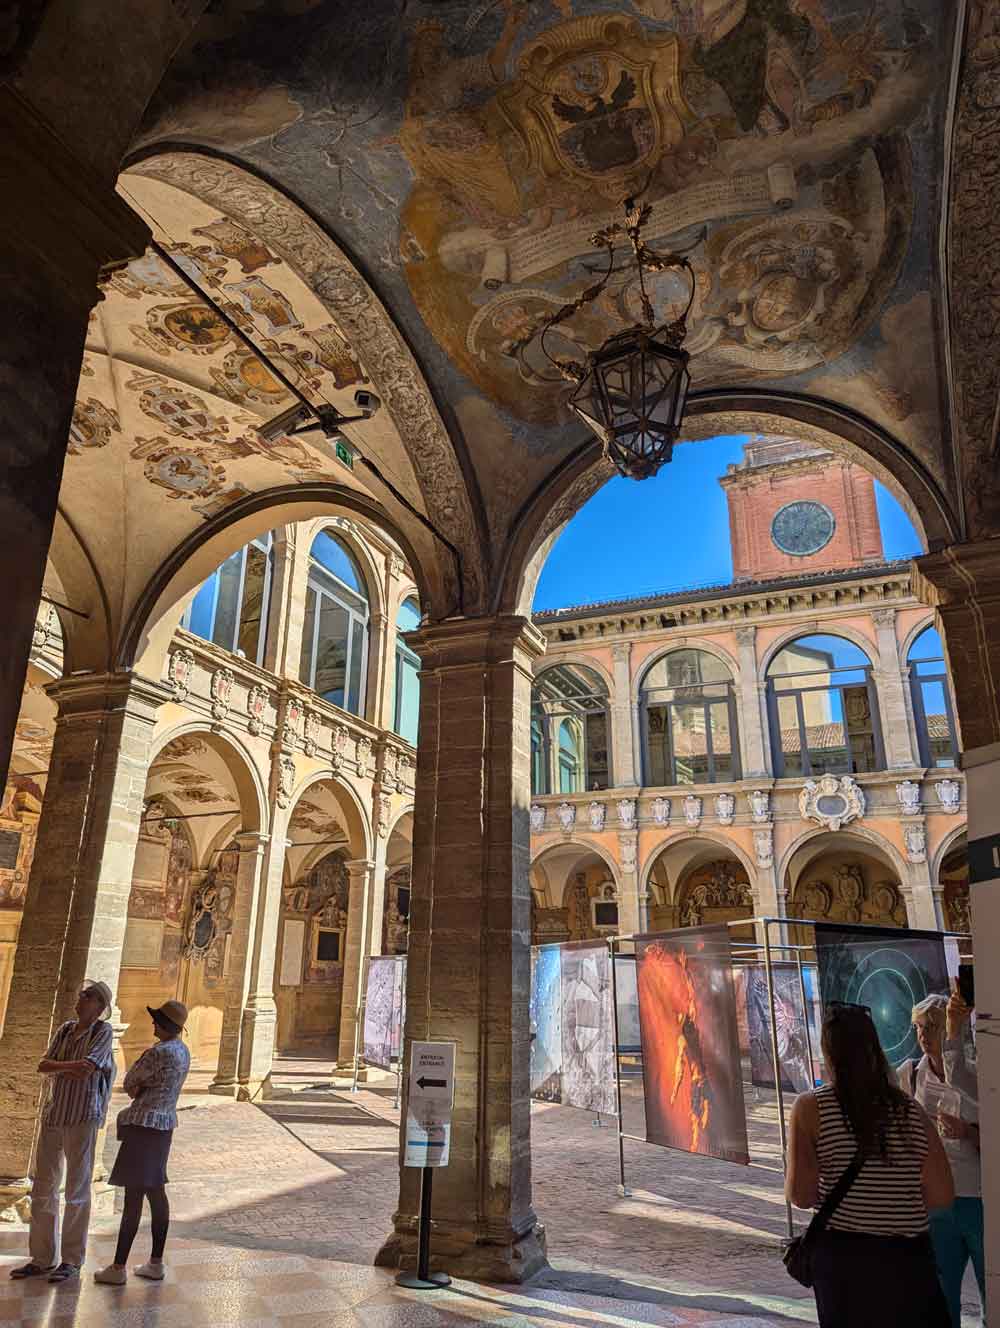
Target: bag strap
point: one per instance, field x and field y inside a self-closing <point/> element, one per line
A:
<point x="837" y="1195"/>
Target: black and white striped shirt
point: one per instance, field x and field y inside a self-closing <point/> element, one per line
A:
<point x="74" y="1101"/>
<point x="886" y="1199"/>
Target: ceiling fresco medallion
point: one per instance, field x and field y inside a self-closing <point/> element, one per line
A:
<point x="190" y="327"/>
<point x="176" y="410"/>
<point x="147" y="275"/>
<point x="92" y="425"/>
<point x="230" y="241"/>
<point x="778" y="164"/>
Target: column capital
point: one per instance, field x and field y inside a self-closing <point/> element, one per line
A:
<point x="959" y="574"/>
<point x="98" y="693"/>
<point x="358" y="866"/>
<point x="459" y="642"/>
<point x="252" y="841"/>
<point x="746" y="635"/>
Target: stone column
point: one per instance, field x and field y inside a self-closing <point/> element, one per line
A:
<point x="63" y="228"/>
<point x="259" y="1018"/>
<point x="357" y="945"/>
<point x="625" y="768"/>
<point x="963" y="583"/>
<point x="468" y="972"/>
<point x="383" y="711"/>
<point x="287" y="607"/>
<point x="249" y="883"/>
<point x="76" y="906"/>
<point x="631" y="913"/>
<point x="752" y="747"/>
<point x="894" y="713"/>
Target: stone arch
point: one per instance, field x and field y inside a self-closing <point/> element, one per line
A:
<point x="856" y="638"/>
<point x="247" y="778"/>
<point x="948" y="845"/>
<point x="358" y="823"/>
<point x="585" y="870"/>
<point x="711" y="413"/>
<point x="873" y="872"/>
<point x="147" y="635"/>
<point x="869" y="837"/>
<point x="584" y="661"/>
<point x="907" y="643"/>
<point x="309" y="250"/>
<point x="708" y="836"/>
<point x="585" y="845"/>
<point x="706" y="644"/>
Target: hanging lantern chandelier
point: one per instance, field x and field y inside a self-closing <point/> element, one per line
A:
<point x="632" y="390"/>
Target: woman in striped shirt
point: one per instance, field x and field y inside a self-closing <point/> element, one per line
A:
<point x="873" y="1265"/>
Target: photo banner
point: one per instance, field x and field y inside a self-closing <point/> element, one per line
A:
<point x="385" y="998"/>
<point x="587" y="1028"/>
<point x="629" y="1035"/>
<point x="692" y="1079"/>
<point x="790" y="1022"/>
<point x="545" y="1012"/>
<point x="888" y="969"/>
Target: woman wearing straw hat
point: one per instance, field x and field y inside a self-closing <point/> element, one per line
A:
<point x="145" y="1130"/>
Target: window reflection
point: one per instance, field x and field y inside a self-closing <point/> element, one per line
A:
<point x="230" y="607"/>
<point x="334" y="656"/>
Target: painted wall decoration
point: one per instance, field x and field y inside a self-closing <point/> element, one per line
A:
<point x="385" y="1013"/>
<point x="889" y="971"/>
<point x="692" y="1083"/>
<point x="587" y="1025"/>
<point x="790" y="1023"/>
<point x="545" y="1011"/>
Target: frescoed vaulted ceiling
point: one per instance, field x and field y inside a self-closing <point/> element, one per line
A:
<point x="465" y="153"/>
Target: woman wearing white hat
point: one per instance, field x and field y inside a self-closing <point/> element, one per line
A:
<point x="145" y="1130"/>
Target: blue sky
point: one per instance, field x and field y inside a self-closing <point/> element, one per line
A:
<point x="667" y="533"/>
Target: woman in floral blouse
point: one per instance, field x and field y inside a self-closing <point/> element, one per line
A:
<point x="145" y="1130"/>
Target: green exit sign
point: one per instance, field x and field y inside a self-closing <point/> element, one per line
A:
<point x="345" y="454"/>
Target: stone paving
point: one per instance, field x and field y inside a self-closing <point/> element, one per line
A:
<point x="310" y="1175"/>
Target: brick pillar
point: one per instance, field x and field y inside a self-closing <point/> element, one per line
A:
<point x="258" y="1021"/>
<point x="893" y="710"/>
<point x="752" y="749"/>
<point x="357" y="944"/>
<point x="249" y="886"/>
<point x="624" y="772"/>
<point x="77" y="901"/>
<point x="470" y="928"/>
<point x="963" y="583"/>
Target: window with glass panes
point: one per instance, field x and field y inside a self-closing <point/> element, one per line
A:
<point x="931" y="694"/>
<point x="689" y="720"/>
<point x="231" y="606"/>
<point x="407" y="710"/>
<point x="334" y="658"/>
<point x="822" y="708"/>
<point x="569" y="731"/>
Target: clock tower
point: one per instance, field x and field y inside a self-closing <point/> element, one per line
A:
<point x="795" y="508"/>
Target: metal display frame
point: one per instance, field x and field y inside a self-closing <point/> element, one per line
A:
<point x="359" y="1023"/>
<point x="768" y="948"/>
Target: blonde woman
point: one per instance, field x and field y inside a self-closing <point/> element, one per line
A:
<point x="944" y="1084"/>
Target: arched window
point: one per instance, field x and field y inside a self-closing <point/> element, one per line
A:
<point x="822" y="708"/>
<point x="569" y="731"/>
<point x="689" y="720"/>
<point x="932" y="701"/>
<point x="334" y="659"/>
<point x="231" y="606"/>
<point x="407" y="709"/>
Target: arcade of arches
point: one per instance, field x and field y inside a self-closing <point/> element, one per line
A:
<point x="214" y="657"/>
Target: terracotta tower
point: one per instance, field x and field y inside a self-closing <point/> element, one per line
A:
<point x="795" y="508"/>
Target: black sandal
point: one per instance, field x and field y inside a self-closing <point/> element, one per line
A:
<point x="64" y="1272"/>
<point x="31" y="1270"/>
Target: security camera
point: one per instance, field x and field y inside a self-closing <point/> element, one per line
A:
<point x="367" y="402"/>
<point x="288" y="422"/>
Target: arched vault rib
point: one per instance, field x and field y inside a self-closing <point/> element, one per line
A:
<point x="284" y="227"/>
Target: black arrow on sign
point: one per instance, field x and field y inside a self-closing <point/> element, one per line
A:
<point x="432" y="1083"/>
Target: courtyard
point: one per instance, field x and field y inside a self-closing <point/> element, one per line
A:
<point x="278" y="1207"/>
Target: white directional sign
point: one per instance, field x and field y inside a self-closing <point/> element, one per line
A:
<point x="430" y="1098"/>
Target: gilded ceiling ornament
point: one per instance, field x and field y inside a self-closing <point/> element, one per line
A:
<point x="178" y="411"/>
<point x="191" y="327"/>
<point x="230" y="241"/>
<point x="267" y="304"/>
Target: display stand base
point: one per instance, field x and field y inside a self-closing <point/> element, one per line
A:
<point x="624" y="1192"/>
<point x="432" y="1282"/>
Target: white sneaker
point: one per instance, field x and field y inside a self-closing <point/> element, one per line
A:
<point x="154" y="1271"/>
<point x="111" y="1276"/>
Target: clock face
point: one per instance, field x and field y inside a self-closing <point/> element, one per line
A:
<point x="802" y="528"/>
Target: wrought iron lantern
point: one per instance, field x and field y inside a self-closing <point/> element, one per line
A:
<point x="632" y="390"/>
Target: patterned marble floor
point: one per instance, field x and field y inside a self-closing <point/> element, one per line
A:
<point x="210" y="1286"/>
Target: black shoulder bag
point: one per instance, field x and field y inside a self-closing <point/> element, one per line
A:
<point x="799" y="1251"/>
